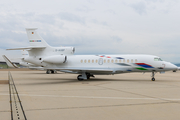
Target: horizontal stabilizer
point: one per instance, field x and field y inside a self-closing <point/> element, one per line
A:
<point x="9" y="63"/>
<point x="28" y="48"/>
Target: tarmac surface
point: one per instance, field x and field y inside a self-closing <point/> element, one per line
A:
<point x="131" y="96"/>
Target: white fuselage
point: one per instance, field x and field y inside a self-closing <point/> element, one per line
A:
<point x="115" y="63"/>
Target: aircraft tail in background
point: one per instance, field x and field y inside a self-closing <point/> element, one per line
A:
<point x="9" y="63"/>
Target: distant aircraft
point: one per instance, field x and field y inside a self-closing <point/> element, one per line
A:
<point x="9" y="63"/>
<point x="62" y="59"/>
<point x="26" y="64"/>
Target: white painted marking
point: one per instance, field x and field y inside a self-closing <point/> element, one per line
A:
<point x="95" y="97"/>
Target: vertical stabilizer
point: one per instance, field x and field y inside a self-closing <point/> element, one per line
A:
<point x="34" y="38"/>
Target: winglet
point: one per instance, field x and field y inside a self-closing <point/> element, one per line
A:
<point x="9" y="63"/>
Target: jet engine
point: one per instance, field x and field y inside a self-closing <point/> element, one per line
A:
<point x="55" y="59"/>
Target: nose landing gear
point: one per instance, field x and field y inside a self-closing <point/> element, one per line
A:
<point x="153" y="74"/>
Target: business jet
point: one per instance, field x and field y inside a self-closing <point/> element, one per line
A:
<point x="63" y="59"/>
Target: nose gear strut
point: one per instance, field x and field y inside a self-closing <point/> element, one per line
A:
<point x="153" y="74"/>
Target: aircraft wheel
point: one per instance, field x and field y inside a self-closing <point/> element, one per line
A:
<point x="79" y="78"/>
<point x="153" y="79"/>
<point x="55" y="71"/>
<point x="88" y="76"/>
<point x="48" y="72"/>
<point x="52" y="71"/>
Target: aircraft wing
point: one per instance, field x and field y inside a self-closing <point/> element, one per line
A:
<point x="90" y="70"/>
<point x="9" y="63"/>
<point x="28" y="48"/>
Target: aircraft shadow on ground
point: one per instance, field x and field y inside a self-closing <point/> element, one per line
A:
<point x="67" y="80"/>
<point x="45" y="73"/>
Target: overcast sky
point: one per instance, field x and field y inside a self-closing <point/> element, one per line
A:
<point x="94" y="26"/>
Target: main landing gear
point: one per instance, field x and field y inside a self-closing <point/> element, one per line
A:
<point x="79" y="77"/>
<point x="51" y="71"/>
<point x="153" y="74"/>
<point x="84" y="76"/>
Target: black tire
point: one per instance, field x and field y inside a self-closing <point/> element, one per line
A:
<point x="48" y="72"/>
<point x="52" y="71"/>
<point x="80" y="79"/>
<point x="88" y="76"/>
<point x="153" y="79"/>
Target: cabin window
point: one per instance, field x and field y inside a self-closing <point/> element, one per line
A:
<point x="88" y="61"/>
<point x="127" y="60"/>
<point x="123" y="60"/>
<point x="115" y="61"/>
<point x="81" y="61"/>
<point x="92" y="61"/>
<point x="108" y="61"/>
<point x="119" y="61"/>
<point x="96" y="61"/>
<point x="104" y="61"/>
<point x="135" y="60"/>
<point x="112" y="61"/>
<point x="84" y="61"/>
<point x="131" y="60"/>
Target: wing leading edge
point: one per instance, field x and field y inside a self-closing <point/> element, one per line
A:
<point x="89" y="70"/>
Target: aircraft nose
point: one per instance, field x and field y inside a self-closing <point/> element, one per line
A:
<point x="171" y="66"/>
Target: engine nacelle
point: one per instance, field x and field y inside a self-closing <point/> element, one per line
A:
<point x="32" y="61"/>
<point x="55" y="59"/>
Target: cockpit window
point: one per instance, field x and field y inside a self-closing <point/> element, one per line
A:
<point x="158" y="59"/>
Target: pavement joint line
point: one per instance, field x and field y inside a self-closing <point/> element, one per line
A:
<point x="5" y="111"/>
<point x="166" y="84"/>
<point x="64" y="90"/>
<point x="169" y="85"/>
<point x="134" y="93"/>
<point x="119" y="105"/>
<point x="96" y="97"/>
